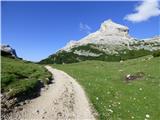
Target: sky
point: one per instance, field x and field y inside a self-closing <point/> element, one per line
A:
<point x="39" y="29"/>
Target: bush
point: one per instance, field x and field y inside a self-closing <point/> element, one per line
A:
<point x="156" y="53"/>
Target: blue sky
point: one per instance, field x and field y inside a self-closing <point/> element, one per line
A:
<point x="38" y="29"/>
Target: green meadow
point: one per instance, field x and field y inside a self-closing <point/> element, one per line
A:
<point x="113" y="95"/>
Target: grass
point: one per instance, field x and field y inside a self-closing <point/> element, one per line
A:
<point x="20" y="77"/>
<point x="112" y="96"/>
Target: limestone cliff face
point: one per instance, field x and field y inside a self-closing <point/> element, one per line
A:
<point x="111" y="37"/>
<point x="110" y="33"/>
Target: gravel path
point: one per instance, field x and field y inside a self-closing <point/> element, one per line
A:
<point x="64" y="99"/>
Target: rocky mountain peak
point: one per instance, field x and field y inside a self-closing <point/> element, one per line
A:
<point x="109" y="33"/>
<point x="111" y="37"/>
<point x="111" y="27"/>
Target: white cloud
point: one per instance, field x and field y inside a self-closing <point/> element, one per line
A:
<point x="85" y="28"/>
<point x="146" y="10"/>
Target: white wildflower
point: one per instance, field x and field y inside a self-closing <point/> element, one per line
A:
<point x="147" y="116"/>
<point x="97" y="98"/>
<point x="132" y="117"/>
<point x="140" y="89"/>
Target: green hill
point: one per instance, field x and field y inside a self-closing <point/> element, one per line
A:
<point x="120" y="90"/>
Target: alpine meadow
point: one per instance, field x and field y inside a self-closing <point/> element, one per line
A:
<point x="80" y="60"/>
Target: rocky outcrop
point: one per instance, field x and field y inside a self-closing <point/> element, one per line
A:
<point x="7" y="50"/>
<point x="110" y="33"/>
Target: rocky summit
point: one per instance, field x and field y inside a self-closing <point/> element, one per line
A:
<point x="7" y="50"/>
<point x="111" y="42"/>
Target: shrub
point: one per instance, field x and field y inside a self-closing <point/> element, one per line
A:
<point x="156" y="53"/>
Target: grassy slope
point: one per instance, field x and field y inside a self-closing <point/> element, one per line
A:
<point x="20" y="77"/>
<point x="104" y="83"/>
<point x="71" y="57"/>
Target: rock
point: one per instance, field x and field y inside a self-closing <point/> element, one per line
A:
<point x="134" y="76"/>
<point x="37" y="111"/>
<point x="27" y="101"/>
<point x="86" y="53"/>
<point x="8" y="51"/>
<point x="50" y="85"/>
<point x="43" y="89"/>
<point x="59" y="114"/>
<point x="44" y="112"/>
<point x="22" y="103"/>
<point x="121" y="61"/>
<point x="20" y="109"/>
<point x="10" y="103"/>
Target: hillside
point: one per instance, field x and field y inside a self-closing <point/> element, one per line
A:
<point x="111" y="42"/>
<point x="120" y="90"/>
<point x="20" y="80"/>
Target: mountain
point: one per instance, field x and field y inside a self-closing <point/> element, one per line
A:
<point x="111" y="42"/>
<point x="7" y="50"/>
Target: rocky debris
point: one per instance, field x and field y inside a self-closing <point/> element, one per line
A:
<point x="135" y="76"/>
<point x="6" y="105"/>
<point x="10" y="104"/>
<point x="86" y="53"/>
<point x="7" y="50"/>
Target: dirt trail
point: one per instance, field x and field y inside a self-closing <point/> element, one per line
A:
<point x="64" y="99"/>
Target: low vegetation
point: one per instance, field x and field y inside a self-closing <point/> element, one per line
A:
<point x="120" y="90"/>
<point x="21" y="78"/>
<point x="156" y="53"/>
<point x="71" y="57"/>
